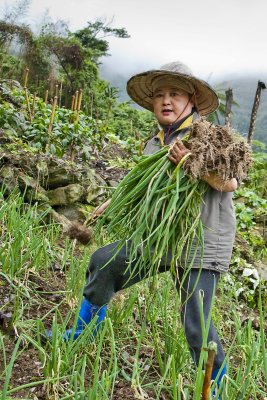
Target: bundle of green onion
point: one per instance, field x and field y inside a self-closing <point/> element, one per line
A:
<point x="156" y="211"/>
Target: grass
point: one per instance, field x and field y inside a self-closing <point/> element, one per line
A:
<point x="140" y="352"/>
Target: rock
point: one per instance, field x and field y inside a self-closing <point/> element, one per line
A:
<point x="74" y="212"/>
<point x="11" y="84"/>
<point x="261" y="267"/>
<point x="113" y="151"/>
<point x="7" y="173"/>
<point x="33" y="190"/>
<point x="59" y="176"/>
<point x="94" y="195"/>
<point x="63" y="196"/>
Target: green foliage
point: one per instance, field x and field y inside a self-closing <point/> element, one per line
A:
<point x="68" y="133"/>
<point x="257" y="179"/>
<point x="59" y="57"/>
<point x="92" y="37"/>
<point x="251" y="214"/>
<point x="11" y="120"/>
<point x="141" y="346"/>
<point x="10" y="66"/>
<point x="132" y="125"/>
<point x="9" y="31"/>
<point x="22" y="236"/>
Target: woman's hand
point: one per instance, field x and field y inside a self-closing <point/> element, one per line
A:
<point x="177" y="151"/>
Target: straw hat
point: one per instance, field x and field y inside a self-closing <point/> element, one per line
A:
<point x="141" y="86"/>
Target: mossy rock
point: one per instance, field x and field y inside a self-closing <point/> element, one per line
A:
<point x="66" y="195"/>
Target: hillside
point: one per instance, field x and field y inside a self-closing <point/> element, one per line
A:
<point x="244" y="89"/>
<point x="48" y="187"/>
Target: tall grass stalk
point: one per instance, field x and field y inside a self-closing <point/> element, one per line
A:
<point x="25" y="243"/>
<point x="75" y="271"/>
<point x="205" y="326"/>
<point x="262" y="335"/>
<point x="9" y="368"/>
<point x="84" y="369"/>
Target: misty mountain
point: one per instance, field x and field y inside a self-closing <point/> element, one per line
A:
<point x="244" y="89"/>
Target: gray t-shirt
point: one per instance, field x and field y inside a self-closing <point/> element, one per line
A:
<point x="218" y="218"/>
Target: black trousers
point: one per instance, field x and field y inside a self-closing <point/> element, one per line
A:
<point x="103" y="283"/>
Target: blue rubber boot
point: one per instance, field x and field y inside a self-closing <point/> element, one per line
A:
<point x="87" y="313"/>
<point x="214" y="376"/>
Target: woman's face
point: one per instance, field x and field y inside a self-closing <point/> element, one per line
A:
<point x="171" y="105"/>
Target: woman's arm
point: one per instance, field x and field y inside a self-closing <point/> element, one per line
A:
<point x="218" y="184"/>
<point x="178" y="151"/>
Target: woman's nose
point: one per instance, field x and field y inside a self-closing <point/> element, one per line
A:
<point x="166" y="99"/>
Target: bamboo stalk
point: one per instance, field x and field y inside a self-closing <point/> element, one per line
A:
<point x="261" y="85"/>
<point x="46" y="96"/>
<point x="79" y="105"/>
<point x="76" y="100"/>
<point x="26" y="78"/>
<point x="56" y="90"/>
<point x="72" y="102"/>
<point x="51" y="122"/>
<point x="60" y="93"/>
<point x="212" y="351"/>
<point x="28" y="103"/>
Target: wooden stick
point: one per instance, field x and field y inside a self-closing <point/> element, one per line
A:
<point x="212" y="351"/>
<point x="261" y="85"/>
<point x="28" y="104"/>
<point x="79" y="105"/>
<point x="76" y="100"/>
<point x="60" y="93"/>
<point x="51" y="122"/>
<point x="46" y="96"/>
<point x="228" y="106"/>
<point x="56" y="90"/>
<point x="72" y="102"/>
<point x="26" y="77"/>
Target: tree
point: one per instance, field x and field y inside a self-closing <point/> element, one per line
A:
<point x="92" y="37"/>
<point x="57" y="56"/>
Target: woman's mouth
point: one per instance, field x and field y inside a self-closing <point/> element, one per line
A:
<point x="166" y="112"/>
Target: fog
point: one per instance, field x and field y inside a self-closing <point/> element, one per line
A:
<point x="213" y="37"/>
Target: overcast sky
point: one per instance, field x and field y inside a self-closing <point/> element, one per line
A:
<point x="211" y="36"/>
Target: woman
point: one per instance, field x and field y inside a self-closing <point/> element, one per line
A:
<point x="177" y="99"/>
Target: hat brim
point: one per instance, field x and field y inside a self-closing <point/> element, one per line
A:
<point x="139" y="88"/>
